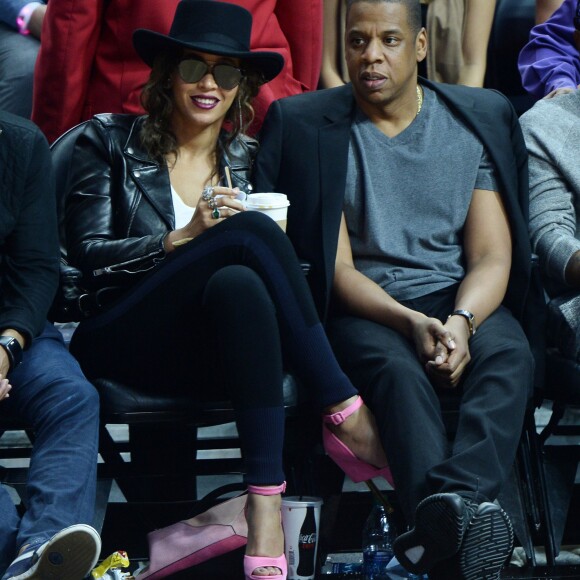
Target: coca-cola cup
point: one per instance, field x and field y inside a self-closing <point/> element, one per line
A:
<point x="301" y="522"/>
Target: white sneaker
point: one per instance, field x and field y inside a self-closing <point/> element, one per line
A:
<point x="69" y="555"/>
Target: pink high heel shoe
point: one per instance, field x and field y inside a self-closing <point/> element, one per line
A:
<point x="253" y="562"/>
<point x="354" y="467"/>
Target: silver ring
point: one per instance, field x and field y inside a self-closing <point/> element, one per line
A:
<point x="212" y="203"/>
<point x="215" y="214"/>
<point x="207" y="193"/>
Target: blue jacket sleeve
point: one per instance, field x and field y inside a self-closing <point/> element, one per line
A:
<point x="9" y="10"/>
<point x="551" y="60"/>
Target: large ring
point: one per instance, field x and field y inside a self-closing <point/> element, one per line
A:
<point x="212" y="203"/>
<point x="207" y="193"/>
<point x="215" y="214"/>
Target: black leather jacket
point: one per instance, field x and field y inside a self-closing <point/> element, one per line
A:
<point x="118" y="207"/>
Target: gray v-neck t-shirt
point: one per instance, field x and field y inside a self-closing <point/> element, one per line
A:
<point x="407" y="199"/>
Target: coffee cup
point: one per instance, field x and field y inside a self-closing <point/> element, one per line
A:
<point x="301" y="523"/>
<point x="274" y="205"/>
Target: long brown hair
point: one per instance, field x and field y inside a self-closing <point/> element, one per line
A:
<point x="157" y="99"/>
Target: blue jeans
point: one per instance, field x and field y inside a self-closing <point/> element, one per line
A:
<point x="50" y="392"/>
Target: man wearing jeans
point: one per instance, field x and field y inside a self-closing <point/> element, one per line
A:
<point x="40" y="381"/>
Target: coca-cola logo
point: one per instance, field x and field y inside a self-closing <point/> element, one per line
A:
<point x="308" y="539"/>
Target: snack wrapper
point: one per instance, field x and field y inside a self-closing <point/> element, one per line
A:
<point x="116" y="560"/>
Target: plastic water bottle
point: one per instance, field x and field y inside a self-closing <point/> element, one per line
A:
<point x="378" y="537"/>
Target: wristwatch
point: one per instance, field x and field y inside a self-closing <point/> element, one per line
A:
<point x="13" y="350"/>
<point x="468" y="316"/>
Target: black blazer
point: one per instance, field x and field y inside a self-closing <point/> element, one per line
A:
<point x="118" y="205"/>
<point x="303" y="153"/>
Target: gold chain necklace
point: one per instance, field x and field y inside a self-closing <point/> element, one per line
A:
<point x="419" y="99"/>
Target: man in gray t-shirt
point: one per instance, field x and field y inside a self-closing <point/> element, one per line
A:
<point x="407" y="199"/>
<point x="423" y="262"/>
<point x="404" y="215"/>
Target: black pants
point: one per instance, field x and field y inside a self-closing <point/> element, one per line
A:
<point x="492" y="399"/>
<point x="219" y="318"/>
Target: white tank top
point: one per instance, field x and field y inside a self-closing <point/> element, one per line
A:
<point x="183" y="212"/>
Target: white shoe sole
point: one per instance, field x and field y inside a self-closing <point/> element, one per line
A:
<point x="69" y="555"/>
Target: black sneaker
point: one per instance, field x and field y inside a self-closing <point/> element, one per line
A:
<point x="441" y="521"/>
<point x="487" y="545"/>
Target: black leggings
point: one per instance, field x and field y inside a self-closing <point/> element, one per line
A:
<point x="219" y="318"/>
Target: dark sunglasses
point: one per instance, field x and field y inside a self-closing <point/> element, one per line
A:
<point x="227" y="76"/>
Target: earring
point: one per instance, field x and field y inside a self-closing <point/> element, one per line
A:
<point x="239" y="105"/>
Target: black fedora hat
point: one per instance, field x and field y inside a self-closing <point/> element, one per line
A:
<point x="209" y="26"/>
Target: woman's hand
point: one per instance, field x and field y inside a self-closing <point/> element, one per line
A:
<point x="222" y="202"/>
<point x="221" y="205"/>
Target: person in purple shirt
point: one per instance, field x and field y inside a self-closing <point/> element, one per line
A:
<point x="550" y="63"/>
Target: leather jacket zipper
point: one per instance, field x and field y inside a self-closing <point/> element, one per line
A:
<point x="121" y="267"/>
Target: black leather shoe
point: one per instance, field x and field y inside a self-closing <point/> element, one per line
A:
<point x="441" y="521"/>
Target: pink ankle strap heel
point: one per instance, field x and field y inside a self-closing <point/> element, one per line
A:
<point x="355" y="468"/>
<point x="253" y="562"/>
<point x="267" y="490"/>
<point x="341" y="416"/>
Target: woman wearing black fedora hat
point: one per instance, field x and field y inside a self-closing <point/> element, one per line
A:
<point x="201" y="296"/>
